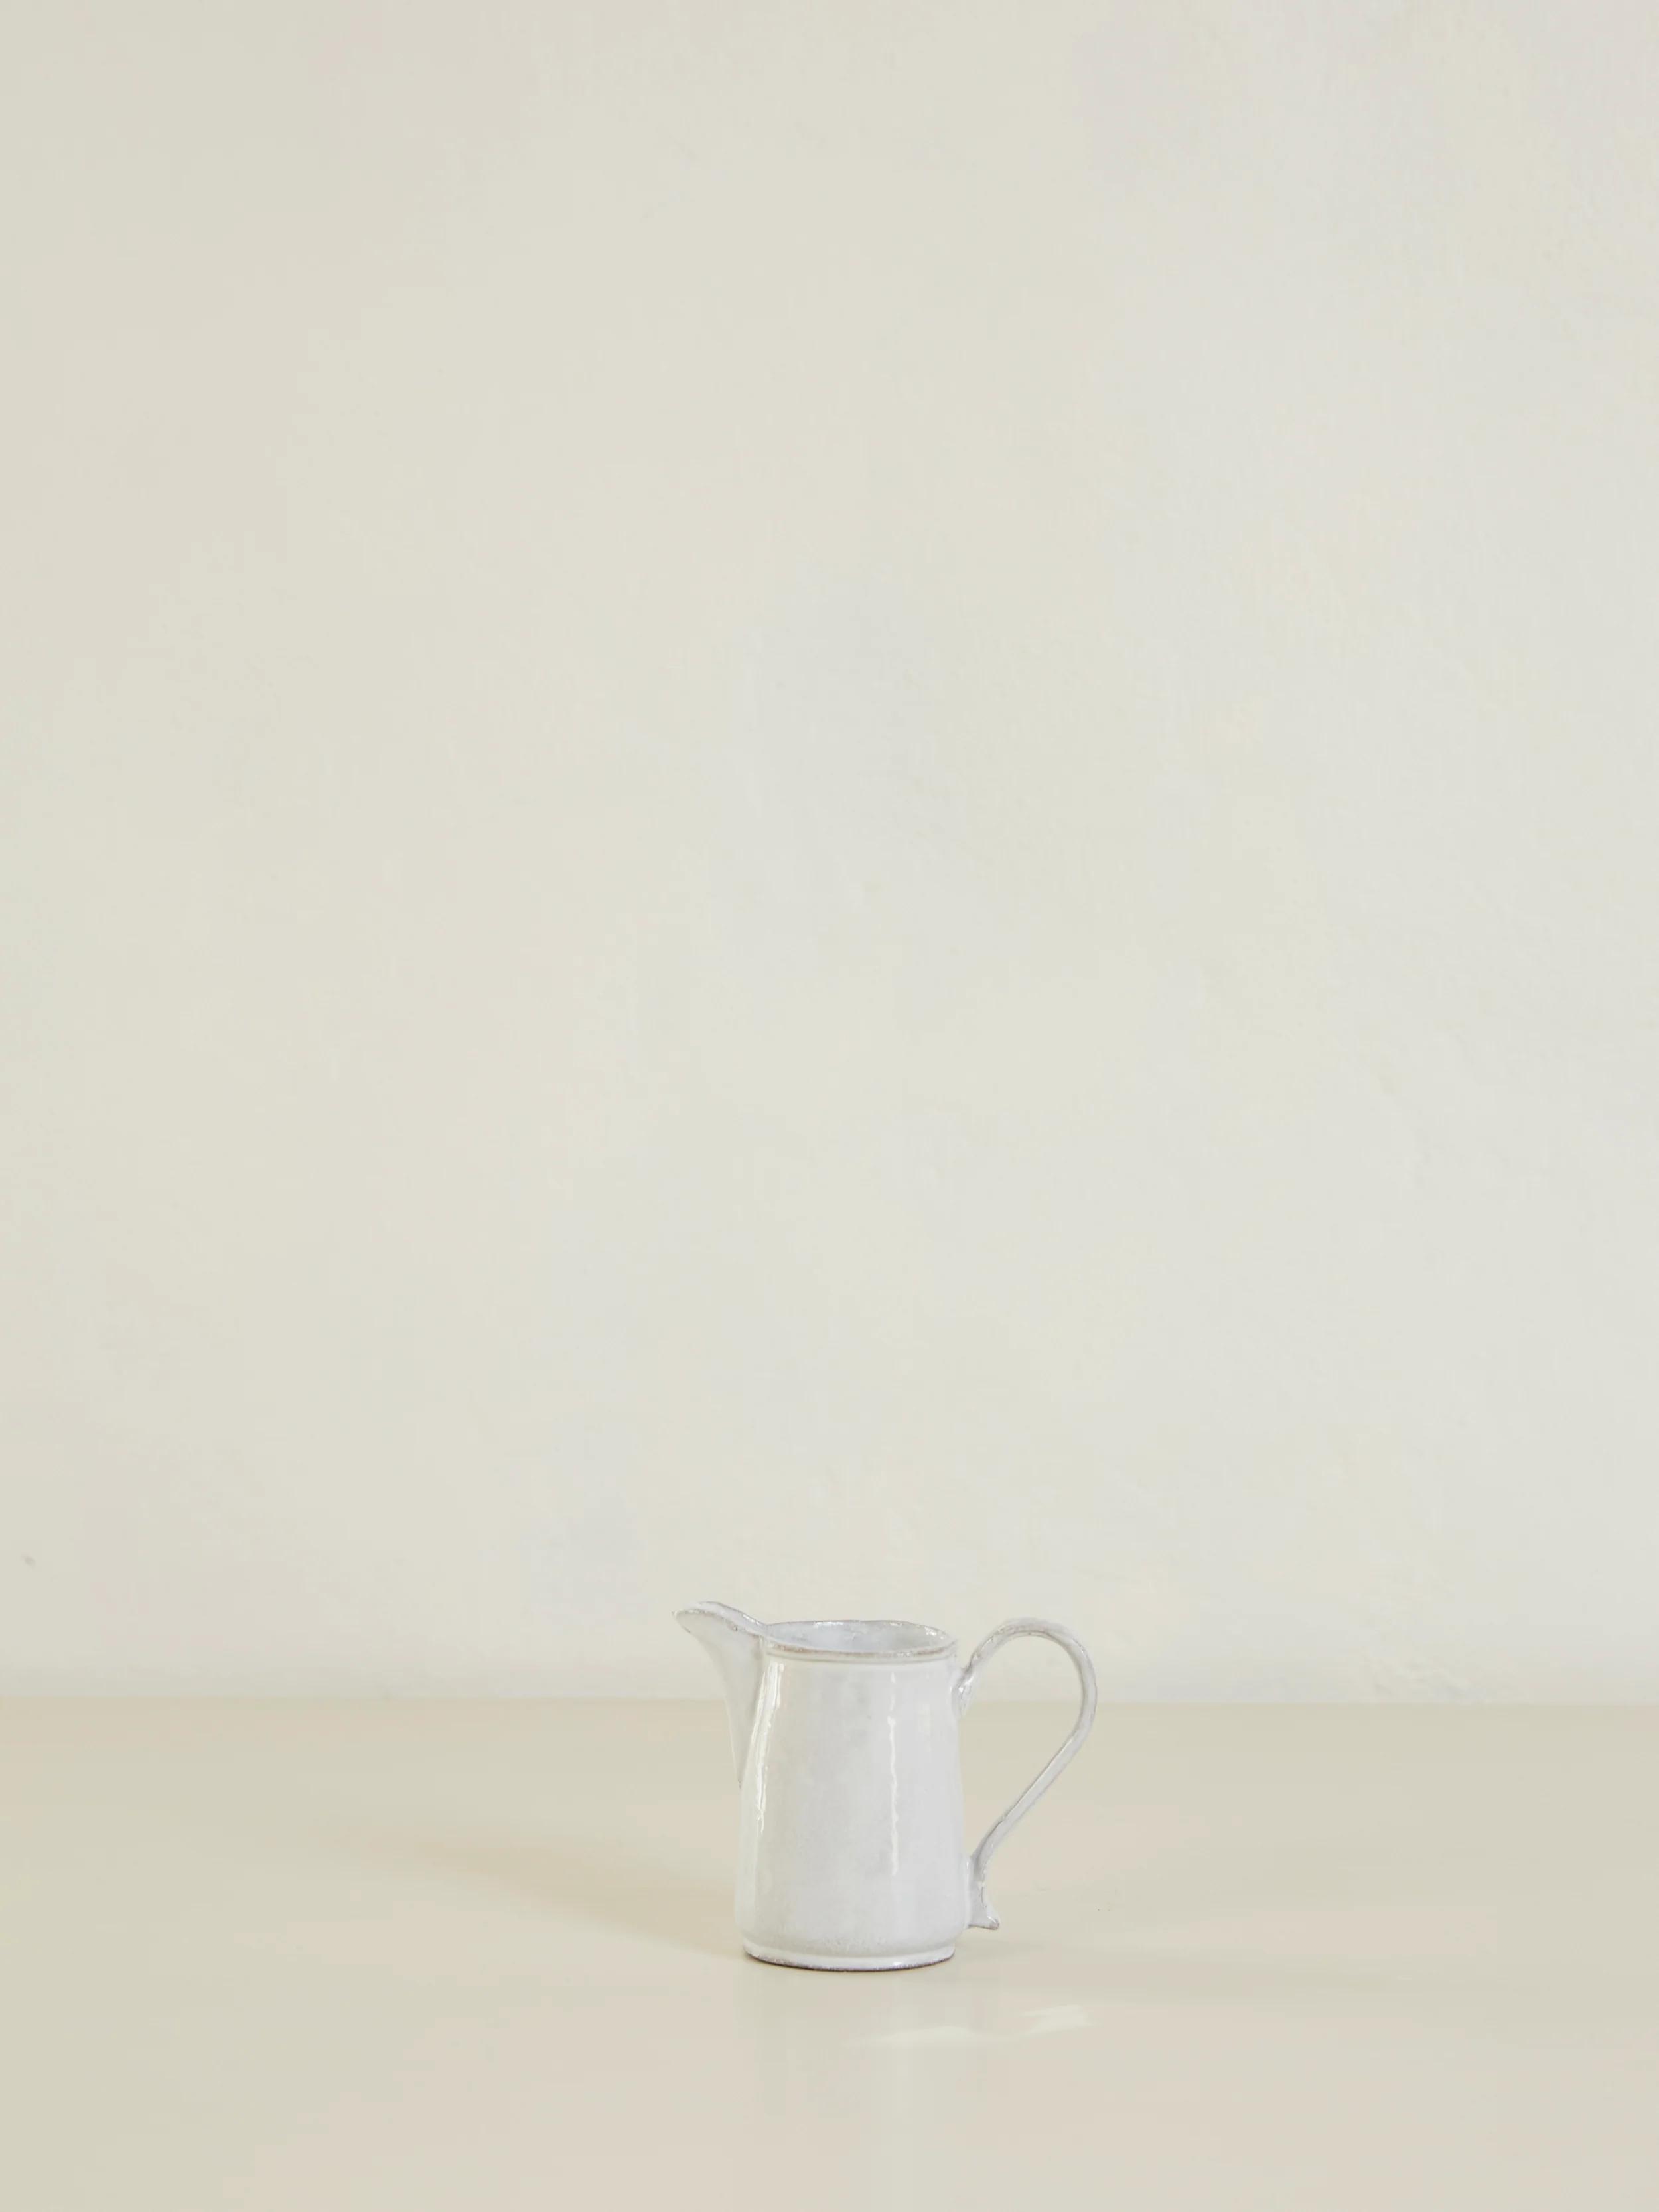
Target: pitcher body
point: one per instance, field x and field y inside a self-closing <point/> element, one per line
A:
<point x="850" y="1849"/>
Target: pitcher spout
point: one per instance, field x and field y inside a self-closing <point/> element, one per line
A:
<point x="736" y="1643"/>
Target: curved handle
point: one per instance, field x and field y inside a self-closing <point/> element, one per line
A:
<point x="980" y="1914"/>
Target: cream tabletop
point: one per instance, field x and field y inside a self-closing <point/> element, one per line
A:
<point x="479" y="1956"/>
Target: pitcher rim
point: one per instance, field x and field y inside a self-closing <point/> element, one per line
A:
<point x="878" y="1642"/>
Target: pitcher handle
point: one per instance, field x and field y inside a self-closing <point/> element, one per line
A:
<point x="980" y="1914"/>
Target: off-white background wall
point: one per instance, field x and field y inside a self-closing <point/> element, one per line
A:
<point x="851" y="806"/>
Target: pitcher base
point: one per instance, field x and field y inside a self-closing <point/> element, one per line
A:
<point x="826" y="1963"/>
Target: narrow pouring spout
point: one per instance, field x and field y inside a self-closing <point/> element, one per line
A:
<point x="735" y="1642"/>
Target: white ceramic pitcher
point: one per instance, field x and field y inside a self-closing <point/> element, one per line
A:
<point x="850" y="1851"/>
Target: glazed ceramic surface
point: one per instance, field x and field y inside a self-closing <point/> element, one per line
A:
<point x="850" y="1849"/>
